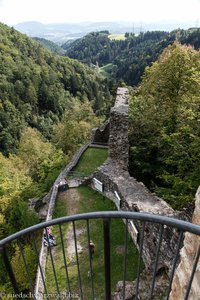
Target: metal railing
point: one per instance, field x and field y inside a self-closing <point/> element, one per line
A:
<point x="106" y="217"/>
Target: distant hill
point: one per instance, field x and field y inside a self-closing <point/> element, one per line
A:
<point x="61" y="32"/>
<point x="126" y="59"/>
<point x="30" y="27"/>
<point x="92" y="48"/>
<point x="37" y="86"/>
<point x="53" y="47"/>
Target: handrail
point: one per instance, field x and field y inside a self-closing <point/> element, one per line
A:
<point x="179" y="224"/>
<point x="106" y="216"/>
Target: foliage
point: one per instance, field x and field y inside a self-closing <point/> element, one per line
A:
<point x="128" y="57"/>
<point x="37" y="90"/>
<point x="14" y="180"/>
<point x="19" y="269"/>
<point x="41" y="158"/>
<point x="164" y="125"/>
<point x="28" y="174"/>
<point x="189" y="37"/>
<point x="20" y="217"/>
<point x="15" y="188"/>
<point x="75" y="127"/>
<point x="37" y="86"/>
<point x="53" y="47"/>
<point x="92" y="48"/>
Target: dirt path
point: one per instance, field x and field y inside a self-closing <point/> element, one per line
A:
<point x="72" y="198"/>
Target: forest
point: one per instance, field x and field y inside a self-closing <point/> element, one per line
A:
<point x="127" y="59"/>
<point x="49" y="103"/>
<point x="48" y="106"/>
<point x="162" y="72"/>
<point x="164" y="126"/>
<point x="36" y="87"/>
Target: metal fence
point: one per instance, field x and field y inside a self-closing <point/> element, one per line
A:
<point x="106" y="217"/>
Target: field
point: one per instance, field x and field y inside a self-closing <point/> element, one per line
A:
<point x="117" y="37"/>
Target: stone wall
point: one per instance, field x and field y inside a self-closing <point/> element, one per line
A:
<point x="118" y="139"/>
<point x="134" y="195"/>
<point x="188" y="253"/>
<point x="101" y="135"/>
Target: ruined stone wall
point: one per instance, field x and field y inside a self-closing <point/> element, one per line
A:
<point x="101" y="135"/>
<point x="134" y="195"/>
<point x="118" y="139"/>
<point x="188" y="253"/>
<point x="114" y="176"/>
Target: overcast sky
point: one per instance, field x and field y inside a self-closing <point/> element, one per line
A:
<point x="59" y="11"/>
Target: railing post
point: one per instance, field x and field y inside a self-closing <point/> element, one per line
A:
<point x="9" y="269"/>
<point x="106" y="229"/>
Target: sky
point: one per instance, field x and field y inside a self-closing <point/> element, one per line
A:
<point x="67" y="11"/>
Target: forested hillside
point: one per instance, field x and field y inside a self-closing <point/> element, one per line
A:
<point x="53" y="47"/>
<point x="48" y="105"/>
<point x="165" y="126"/>
<point x="126" y="59"/>
<point x="36" y="87"/>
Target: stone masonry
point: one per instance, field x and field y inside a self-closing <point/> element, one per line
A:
<point x="100" y="135"/>
<point x="134" y="195"/>
<point x="118" y="139"/>
<point x="188" y="253"/>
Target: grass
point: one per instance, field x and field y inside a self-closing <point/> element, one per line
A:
<point x="91" y="159"/>
<point x="117" y="37"/>
<point x="91" y="200"/>
<point x="107" y="67"/>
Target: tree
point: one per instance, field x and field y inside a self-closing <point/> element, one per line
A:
<point x="164" y="114"/>
<point x="13" y="180"/>
<point x="19" y="268"/>
<point x="20" y="216"/>
<point x="36" y="87"/>
<point x="75" y="127"/>
<point x="42" y="160"/>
